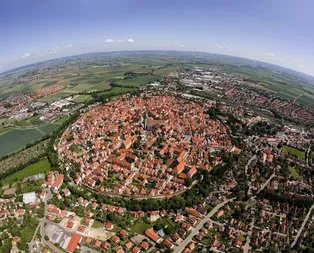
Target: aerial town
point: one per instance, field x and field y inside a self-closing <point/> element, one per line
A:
<point x="197" y="162"/>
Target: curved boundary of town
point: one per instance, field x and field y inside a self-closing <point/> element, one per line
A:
<point x="111" y="194"/>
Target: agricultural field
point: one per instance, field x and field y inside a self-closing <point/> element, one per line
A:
<point x="293" y="151"/>
<point x="42" y="166"/>
<point x="109" y="73"/>
<point x="282" y="85"/>
<point x="32" y="121"/>
<point x="17" y="138"/>
<point x="82" y="98"/>
<point x="137" y="81"/>
<point x="23" y="156"/>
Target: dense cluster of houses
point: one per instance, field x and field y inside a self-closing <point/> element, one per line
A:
<point x="142" y="146"/>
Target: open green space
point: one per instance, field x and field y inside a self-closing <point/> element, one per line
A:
<point x="293" y="151"/>
<point x="97" y="224"/>
<point x="61" y="120"/>
<point x="140" y="227"/>
<point x="294" y="173"/>
<point x="137" y="81"/>
<point x="48" y="128"/>
<point x="5" y="130"/>
<point x="117" y="91"/>
<point x="32" y="121"/>
<point x="82" y="98"/>
<point x="35" y="168"/>
<point x="15" y="139"/>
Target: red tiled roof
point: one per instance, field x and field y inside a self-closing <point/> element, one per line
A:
<point x="75" y="240"/>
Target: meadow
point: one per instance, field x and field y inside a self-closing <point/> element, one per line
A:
<point x="14" y="139"/>
<point x="293" y="151"/>
<point x="42" y="166"/>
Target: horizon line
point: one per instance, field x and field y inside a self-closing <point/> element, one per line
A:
<point x="155" y="50"/>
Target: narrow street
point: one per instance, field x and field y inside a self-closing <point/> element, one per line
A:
<point x="195" y="230"/>
<point x="302" y="226"/>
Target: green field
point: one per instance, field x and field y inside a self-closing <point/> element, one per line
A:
<point x="293" y="151"/>
<point x="15" y="139"/>
<point x="137" y="81"/>
<point x="117" y="91"/>
<point x="32" y="121"/>
<point x="40" y="167"/>
<point x="97" y="224"/>
<point x="82" y="98"/>
<point x="140" y="227"/>
<point x="294" y="173"/>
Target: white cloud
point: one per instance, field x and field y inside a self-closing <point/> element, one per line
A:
<point x="269" y="54"/>
<point x="54" y="50"/>
<point x="220" y="46"/>
<point x="109" y="41"/>
<point x="26" y="55"/>
<point x="178" y="44"/>
<point x="68" y="46"/>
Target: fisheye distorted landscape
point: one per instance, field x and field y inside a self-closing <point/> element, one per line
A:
<point x="169" y="126"/>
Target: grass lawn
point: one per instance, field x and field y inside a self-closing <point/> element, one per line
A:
<point x="97" y="224"/>
<point x="241" y="238"/>
<point x="82" y="98"/>
<point x="293" y="151"/>
<point x="35" y="168"/>
<point x="140" y="228"/>
<point x="294" y="173"/>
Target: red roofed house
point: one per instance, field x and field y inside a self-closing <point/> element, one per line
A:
<point x="180" y="167"/>
<point x="151" y="234"/>
<point x="74" y="241"/>
<point x="57" y="183"/>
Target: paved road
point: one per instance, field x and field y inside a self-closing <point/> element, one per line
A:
<point x="48" y="243"/>
<point x="246" y="169"/>
<point x="194" y="232"/>
<point x="302" y="227"/>
<point x="42" y="225"/>
<point x="266" y="183"/>
<point x="308" y="152"/>
<point x="247" y="246"/>
<point x="31" y="244"/>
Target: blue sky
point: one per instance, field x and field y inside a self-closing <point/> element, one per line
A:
<point x="275" y="31"/>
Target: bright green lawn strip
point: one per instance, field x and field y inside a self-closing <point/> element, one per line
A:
<point x="33" y="169"/>
<point x="82" y="98"/>
<point x="294" y="151"/>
